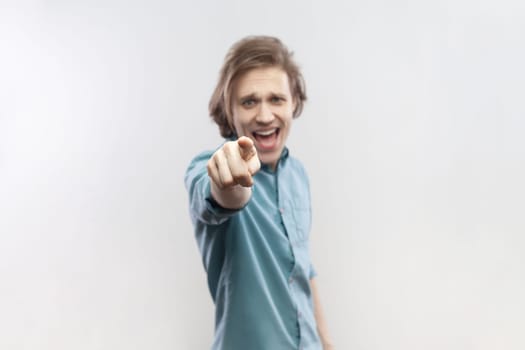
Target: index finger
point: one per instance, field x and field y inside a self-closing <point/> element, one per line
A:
<point x="246" y="147"/>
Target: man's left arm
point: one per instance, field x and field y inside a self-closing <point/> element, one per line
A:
<point x="322" y="328"/>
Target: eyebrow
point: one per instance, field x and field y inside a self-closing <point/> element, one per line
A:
<point x="254" y="96"/>
<point x="248" y="97"/>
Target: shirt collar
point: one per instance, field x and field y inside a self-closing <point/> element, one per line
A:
<point x="284" y="155"/>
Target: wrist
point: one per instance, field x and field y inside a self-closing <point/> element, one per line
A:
<point x="328" y="346"/>
<point x="327" y="343"/>
<point x="234" y="197"/>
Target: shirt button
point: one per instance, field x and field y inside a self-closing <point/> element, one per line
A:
<point x="290" y="280"/>
<point x="281" y="210"/>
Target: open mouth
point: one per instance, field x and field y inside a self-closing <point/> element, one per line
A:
<point x="266" y="139"/>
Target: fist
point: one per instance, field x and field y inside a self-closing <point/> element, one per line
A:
<point x="234" y="164"/>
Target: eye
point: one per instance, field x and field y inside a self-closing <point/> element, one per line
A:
<point x="248" y="102"/>
<point x="277" y="99"/>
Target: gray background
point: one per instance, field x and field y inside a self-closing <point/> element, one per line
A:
<point x="413" y="138"/>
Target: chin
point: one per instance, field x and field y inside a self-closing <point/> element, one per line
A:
<point x="270" y="159"/>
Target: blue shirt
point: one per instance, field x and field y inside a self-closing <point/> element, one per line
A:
<point x="257" y="258"/>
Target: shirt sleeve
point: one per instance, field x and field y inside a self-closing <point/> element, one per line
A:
<point x="203" y="207"/>
<point x="313" y="272"/>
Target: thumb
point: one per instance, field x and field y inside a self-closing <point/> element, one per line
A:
<point x="246" y="148"/>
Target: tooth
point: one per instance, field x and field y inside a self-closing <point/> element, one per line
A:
<point x="266" y="133"/>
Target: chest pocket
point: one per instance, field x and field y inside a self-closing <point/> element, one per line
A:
<point x="301" y="218"/>
<point x="296" y="200"/>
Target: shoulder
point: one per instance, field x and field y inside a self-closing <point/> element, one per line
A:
<point x="296" y="172"/>
<point x="201" y="157"/>
<point x="197" y="167"/>
<point x="296" y="165"/>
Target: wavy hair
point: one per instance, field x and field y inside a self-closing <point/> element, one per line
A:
<point x="250" y="53"/>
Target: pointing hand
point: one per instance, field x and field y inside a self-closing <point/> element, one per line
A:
<point x="234" y="164"/>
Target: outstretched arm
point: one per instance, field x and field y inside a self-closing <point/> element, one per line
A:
<point x="230" y="169"/>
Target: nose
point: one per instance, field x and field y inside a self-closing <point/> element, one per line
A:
<point x="265" y="114"/>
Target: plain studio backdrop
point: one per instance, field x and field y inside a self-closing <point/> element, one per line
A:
<point x="413" y="137"/>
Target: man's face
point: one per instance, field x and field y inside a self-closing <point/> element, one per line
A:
<point x="262" y="107"/>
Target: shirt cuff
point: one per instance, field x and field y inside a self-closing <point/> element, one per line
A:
<point x="215" y="209"/>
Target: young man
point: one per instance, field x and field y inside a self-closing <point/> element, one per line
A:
<point x="250" y="206"/>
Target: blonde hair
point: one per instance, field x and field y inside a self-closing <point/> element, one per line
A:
<point x="247" y="54"/>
